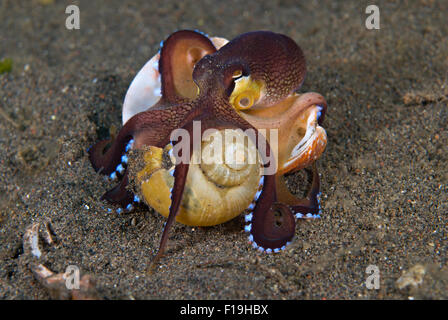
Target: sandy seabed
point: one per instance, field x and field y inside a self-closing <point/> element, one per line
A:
<point x="384" y="172"/>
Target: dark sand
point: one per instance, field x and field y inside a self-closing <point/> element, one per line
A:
<point x="384" y="173"/>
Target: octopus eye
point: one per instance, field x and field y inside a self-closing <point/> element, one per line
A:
<point x="244" y="100"/>
<point x="237" y="74"/>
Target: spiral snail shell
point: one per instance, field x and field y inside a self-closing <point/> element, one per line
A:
<point x="218" y="188"/>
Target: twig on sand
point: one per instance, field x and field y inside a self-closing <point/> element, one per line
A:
<point x="8" y="118"/>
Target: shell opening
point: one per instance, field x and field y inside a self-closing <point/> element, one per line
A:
<point x="246" y="93"/>
<point x="244" y="100"/>
<point x="313" y="140"/>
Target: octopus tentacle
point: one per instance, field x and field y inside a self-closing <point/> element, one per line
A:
<point x="120" y="195"/>
<point x="152" y="128"/>
<point x="271" y="223"/>
<point x="178" y="56"/>
<point x="308" y="207"/>
<point x="180" y="177"/>
<point x="106" y="155"/>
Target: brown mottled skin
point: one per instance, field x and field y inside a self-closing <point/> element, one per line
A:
<point x="272" y="58"/>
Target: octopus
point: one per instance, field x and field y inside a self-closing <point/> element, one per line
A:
<point x="211" y="88"/>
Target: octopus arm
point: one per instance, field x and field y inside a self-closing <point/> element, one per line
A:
<point x="308" y="207"/>
<point x="151" y="128"/>
<point x="178" y="56"/>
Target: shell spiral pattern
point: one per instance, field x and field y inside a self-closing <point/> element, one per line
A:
<point x="218" y="188"/>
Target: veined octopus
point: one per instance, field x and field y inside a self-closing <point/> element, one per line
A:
<point x="209" y="87"/>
